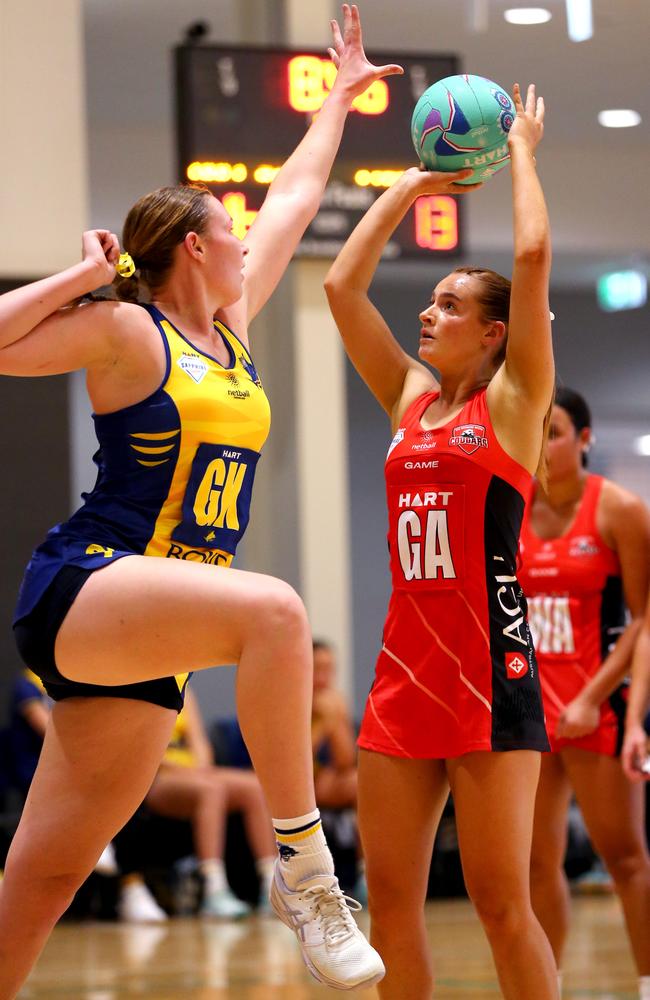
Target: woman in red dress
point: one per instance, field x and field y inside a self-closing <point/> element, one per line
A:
<point x="456" y="699"/>
<point x="585" y="548"/>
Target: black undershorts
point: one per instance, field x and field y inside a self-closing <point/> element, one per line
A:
<point x="36" y="634"/>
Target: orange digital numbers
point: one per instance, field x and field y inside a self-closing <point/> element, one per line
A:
<point x="234" y="203"/>
<point x="311" y="79"/>
<point x="436" y="222"/>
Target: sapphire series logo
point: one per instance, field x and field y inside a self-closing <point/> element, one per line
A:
<point x="469" y="437"/>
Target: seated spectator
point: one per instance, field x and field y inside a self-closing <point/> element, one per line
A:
<point x="188" y="785"/>
<point x="30" y="712"/>
<point x="334" y="747"/>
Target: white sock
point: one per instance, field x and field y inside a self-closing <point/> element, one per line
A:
<point x="644" y="987"/>
<point x="213" y="871"/>
<point x="265" y="868"/>
<point x="559" y="983"/>
<point x="302" y="847"/>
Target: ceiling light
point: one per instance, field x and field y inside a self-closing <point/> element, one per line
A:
<point x="527" y="15"/>
<point x="580" y="22"/>
<point x="619" y="118"/>
<point x="622" y="290"/>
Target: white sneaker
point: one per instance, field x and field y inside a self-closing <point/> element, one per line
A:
<point x="107" y="862"/>
<point x="224" y="904"/>
<point x="136" y="905"/>
<point x="333" y="948"/>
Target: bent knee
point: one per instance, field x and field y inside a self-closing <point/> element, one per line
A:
<point x="627" y="866"/>
<point x="499" y="909"/>
<point x="281" y="608"/>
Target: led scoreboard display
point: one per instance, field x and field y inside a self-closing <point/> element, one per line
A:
<point x="241" y="112"/>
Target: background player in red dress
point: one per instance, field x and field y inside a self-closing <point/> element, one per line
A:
<point x="585" y="549"/>
<point x="456" y="682"/>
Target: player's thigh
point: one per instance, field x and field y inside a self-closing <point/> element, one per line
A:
<point x="550" y="826"/>
<point x="612" y="806"/>
<point x="140" y="617"/>
<point x="400" y="804"/>
<point x="494" y="802"/>
<point x="98" y="759"/>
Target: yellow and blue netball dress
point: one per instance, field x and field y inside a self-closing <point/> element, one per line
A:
<point x="175" y="477"/>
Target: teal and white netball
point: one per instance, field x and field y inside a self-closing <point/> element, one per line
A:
<point x="463" y="121"/>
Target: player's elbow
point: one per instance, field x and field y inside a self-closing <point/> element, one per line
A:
<point x="534" y="253"/>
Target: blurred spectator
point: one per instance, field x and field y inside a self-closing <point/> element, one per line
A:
<point x="189" y="785"/>
<point x="334" y="747"/>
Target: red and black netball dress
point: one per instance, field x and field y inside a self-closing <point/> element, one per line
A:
<point x="457" y="669"/>
<point x="576" y="612"/>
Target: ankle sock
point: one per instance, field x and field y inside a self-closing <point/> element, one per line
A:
<point x="302" y="847"/>
<point x="213" y="872"/>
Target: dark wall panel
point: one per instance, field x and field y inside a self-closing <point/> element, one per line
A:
<point x="35" y="491"/>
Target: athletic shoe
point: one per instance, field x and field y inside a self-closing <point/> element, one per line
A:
<point x="136" y="905"/>
<point x="333" y="948"/>
<point x="224" y="904"/>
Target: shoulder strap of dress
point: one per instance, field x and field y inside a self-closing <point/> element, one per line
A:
<point x="415" y="409"/>
<point x="585" y="521"/>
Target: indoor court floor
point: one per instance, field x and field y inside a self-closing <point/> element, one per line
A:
<point x="259" y="960"/>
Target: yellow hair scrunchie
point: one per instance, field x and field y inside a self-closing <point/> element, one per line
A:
<point x="125" y="266"/>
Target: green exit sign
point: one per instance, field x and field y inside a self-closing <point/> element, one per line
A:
<point x="622" y="290"/>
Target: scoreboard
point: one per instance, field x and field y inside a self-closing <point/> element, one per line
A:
<point x="240" y="112"/>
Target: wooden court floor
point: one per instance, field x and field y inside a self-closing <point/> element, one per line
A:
<point x="259" y="960"/>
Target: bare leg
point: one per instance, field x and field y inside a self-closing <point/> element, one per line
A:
<point x="98" y="760"/>
<point x="400" y="804"/>
<point x="613" y="809"/>
<point x="549" y="886"/>
<point x="142" y="618"/>
<point x="494" y="799"/>
<point x="336" y="789"/>
<point x="244" y="794"/>
<point x="195" y="794"/>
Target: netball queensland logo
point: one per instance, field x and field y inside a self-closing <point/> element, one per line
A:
<point x="469" y="437"/>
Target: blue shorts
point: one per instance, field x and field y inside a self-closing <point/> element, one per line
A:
<point x="36" y="634"/>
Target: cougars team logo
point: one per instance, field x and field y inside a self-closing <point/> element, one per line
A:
<point x="469" y="437"/>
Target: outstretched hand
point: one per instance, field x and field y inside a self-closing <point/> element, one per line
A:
<point x="355" y="72"/>
<point x="101" y="248"/>
<point x="528" y="126"/>
<point x="440" y="182"/>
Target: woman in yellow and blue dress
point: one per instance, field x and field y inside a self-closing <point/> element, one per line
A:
<point x="181" y="418"/>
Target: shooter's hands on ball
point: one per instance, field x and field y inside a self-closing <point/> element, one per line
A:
<point x="635" y="757"/>
<point x="100" y="252"/>
<point x="439" y="182"/>
<point x="528" y="126"/>
<point x="355" y="72"/>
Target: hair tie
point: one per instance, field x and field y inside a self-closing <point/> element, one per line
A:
<point x="125" y="266"/>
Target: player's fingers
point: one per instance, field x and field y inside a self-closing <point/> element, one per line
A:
<point x="333" y="56"/>
<point x="336" y="36"/>
<point x="530" y="99"/>
<point x="516" y="96"/>
<point x="540" y="110"/>
<point x="391" y="69"/>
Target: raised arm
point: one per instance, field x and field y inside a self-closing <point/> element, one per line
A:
<point x="39" y="335"/>
<point x="528" y="373"/>
<point x="295" y="194"/>
<point x="388" y="371"/>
